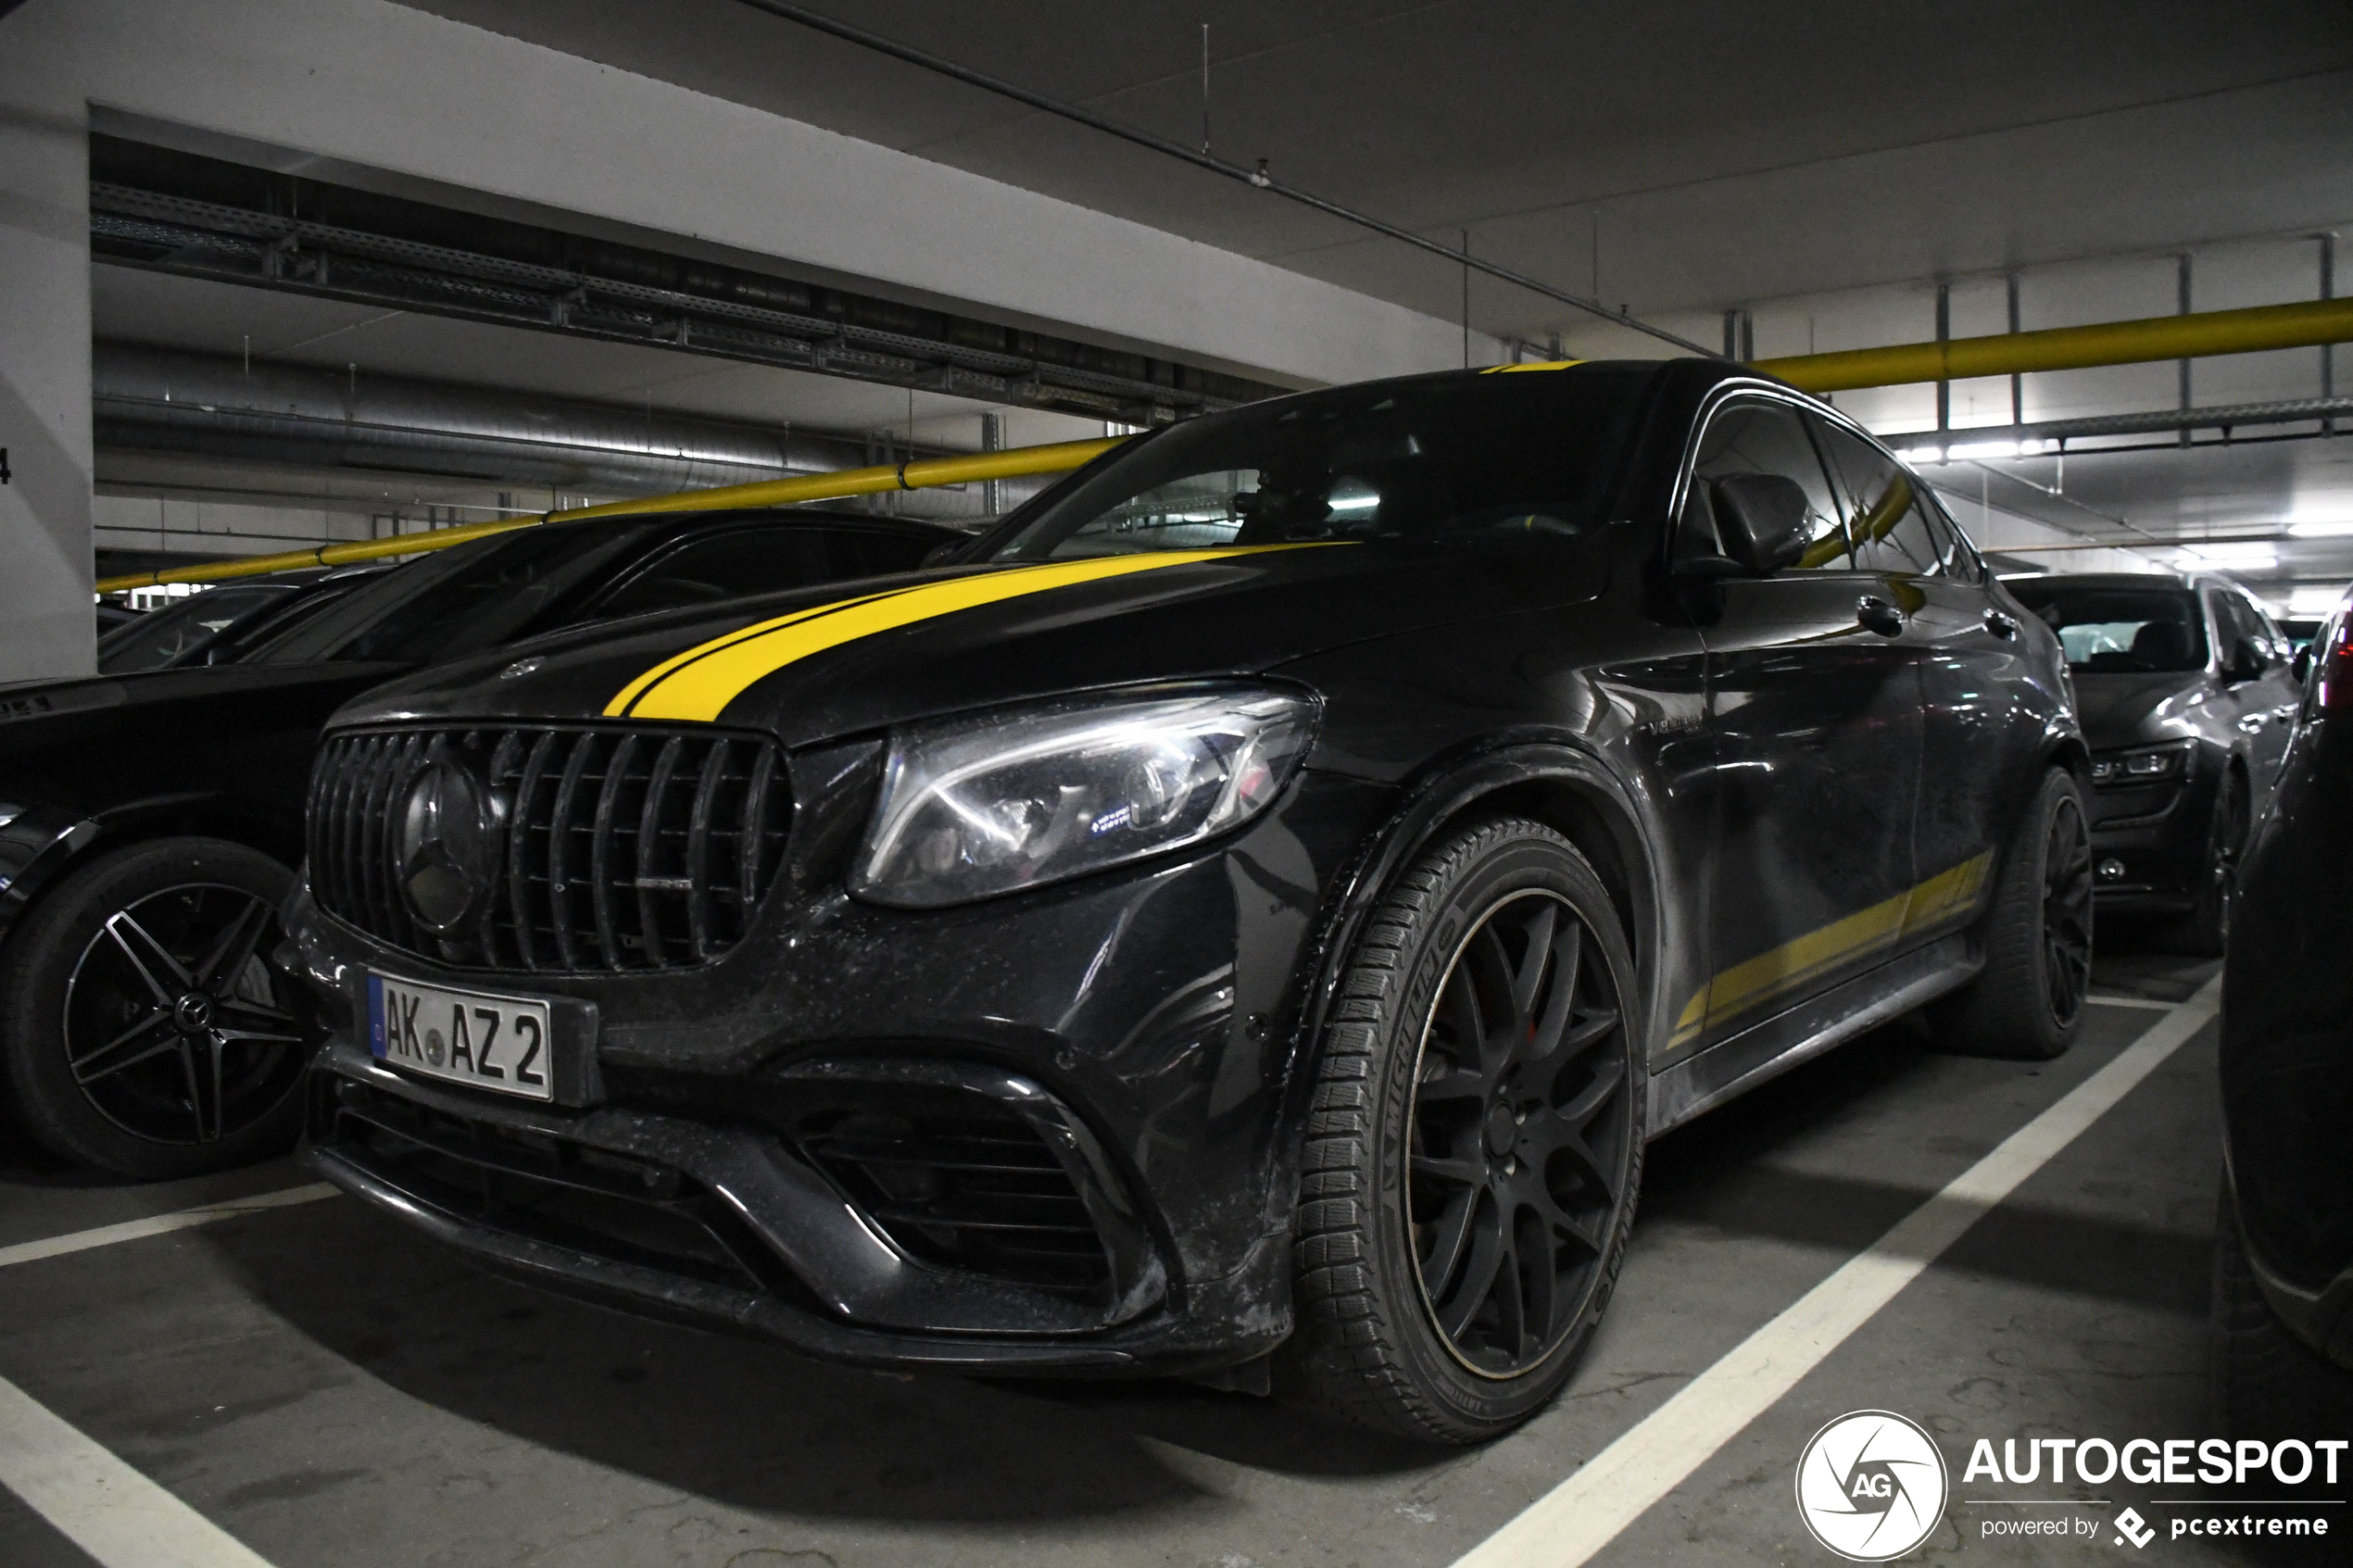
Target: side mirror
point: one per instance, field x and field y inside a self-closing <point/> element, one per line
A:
<point x="2301" y="665"/>
<point x="944" y="552"/>
<point x="1761" y="518"/>
<point x="2246" y="663"/>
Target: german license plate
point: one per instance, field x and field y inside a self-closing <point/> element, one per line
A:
<point x="484" y="1042"/>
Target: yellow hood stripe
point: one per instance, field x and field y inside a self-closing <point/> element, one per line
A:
<point x="700" y="682"/>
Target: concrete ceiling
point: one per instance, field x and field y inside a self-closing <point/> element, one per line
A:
<point x="1686" y="153"/>
<point x="130" y="306"/>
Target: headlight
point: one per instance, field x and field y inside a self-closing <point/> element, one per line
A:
<point x="2145" y="765"/>
<point x="976" y="807"/>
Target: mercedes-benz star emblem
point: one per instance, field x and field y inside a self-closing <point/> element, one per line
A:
<point x="449" y="845"/>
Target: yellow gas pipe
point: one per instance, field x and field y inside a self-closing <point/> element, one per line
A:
<point x="922" y="473"/>
<point x="2074" y="349"/>
<point x="2003" y="354"/>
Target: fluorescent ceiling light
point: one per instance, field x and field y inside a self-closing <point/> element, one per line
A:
<point x="1924" y="455"/>
<point x="2313" y="601"/>
<point x="2337" y="530"/>
<point x="2240" y="555"/>
<point x="1983" y="449"/>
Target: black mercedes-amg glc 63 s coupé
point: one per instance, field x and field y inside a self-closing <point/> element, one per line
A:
<point x="1242" y="918"/>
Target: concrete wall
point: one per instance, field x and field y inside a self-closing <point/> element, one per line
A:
<point x="367" y="84"/>
<point x="45" y="623"/>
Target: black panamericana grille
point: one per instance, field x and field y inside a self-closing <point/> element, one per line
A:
<point x="619" y="850"/>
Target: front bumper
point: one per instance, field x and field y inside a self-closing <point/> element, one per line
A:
<point x="2322" y="1318"/>
<point x="2149" y="843"/>
<point x="1122" y="1045"/>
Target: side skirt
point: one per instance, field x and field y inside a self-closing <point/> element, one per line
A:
<point x="1854" y="1006"/>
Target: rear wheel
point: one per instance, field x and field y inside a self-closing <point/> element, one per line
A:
<point x="144" y="1028"/>
<point x="2028" y="1000"/>
<point x="1475" y="1145"/>
<point x="2206" y="930"/>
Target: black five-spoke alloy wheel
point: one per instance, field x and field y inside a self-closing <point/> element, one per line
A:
<point x="146" y="1029"/>
<point x="1475" y="1144"/>
<point x="173" y="1024"/>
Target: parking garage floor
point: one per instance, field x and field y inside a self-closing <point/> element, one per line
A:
<point x="328" y="1389"/>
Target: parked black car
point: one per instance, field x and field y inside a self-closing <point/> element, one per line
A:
<point x="149" y="822"/>
<point x="111" y="616"/>
<point x="2187" y="698"/>
<point x="1263" y="895"/>
<point x="2283" y="1249"/>
<point x="221" y="625"/>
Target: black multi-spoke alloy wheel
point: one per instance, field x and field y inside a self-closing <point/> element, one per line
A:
<point x="145" y="1027"/>
<point x="2205" y="931"/>
<point x="2028" y="1000"/>
<point x="1475" y="1145"/>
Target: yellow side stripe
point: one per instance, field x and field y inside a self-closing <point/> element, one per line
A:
<point x="700" y="682"/>
<point x="1531" y="365"/>
<point x="1781" y="970"/>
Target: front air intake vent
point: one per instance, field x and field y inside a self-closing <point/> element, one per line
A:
<point x="560" y="850"/>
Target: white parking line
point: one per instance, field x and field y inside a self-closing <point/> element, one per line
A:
<point x="160" y="1225"/>
<point x="98" y="1502"/>
<point x="2114" y="1000"/>
<point x="1568" y="1525"/>
<point x="93" y="1498"/>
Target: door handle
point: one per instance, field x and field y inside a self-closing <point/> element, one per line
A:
<point x="1878" y="615"/>
<point x="1999" y="624"/>
<point x="2252" y="724"/>
<point x="2284" y="712"/>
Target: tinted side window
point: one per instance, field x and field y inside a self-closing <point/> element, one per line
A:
<point x="726" y="566"/>
<point x="2235" y="621"/>
<point x="1889" y="526"/>
<point x="858" y="553"/>
<point x="1959" y="555"/>
<point x="2273" y="639"/>
<point x="1763" y="438"/>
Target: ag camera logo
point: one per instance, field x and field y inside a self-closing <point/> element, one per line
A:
<point x="1871" y="1486"/>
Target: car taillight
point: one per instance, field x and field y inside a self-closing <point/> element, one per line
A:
<point x="2337" y="665"/>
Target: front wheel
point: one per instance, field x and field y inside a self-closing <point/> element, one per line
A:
<point x="144" y="1028"/>
<point x="2028" y="1000"/>
<point x="1475" y="1143"/>
<point x="2205" y="931"/>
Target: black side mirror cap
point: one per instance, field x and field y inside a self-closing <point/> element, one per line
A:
<point x="1711" y="567"/>
<point x="1761" y="518"/>
<point x="2301" y="665"/>
<point x="2246" y="663"/>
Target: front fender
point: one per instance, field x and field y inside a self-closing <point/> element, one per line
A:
<point x="1516" y="775"/>
<point x="37" y="843"/>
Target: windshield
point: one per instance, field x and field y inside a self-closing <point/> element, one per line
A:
<point x="459" y="601"/>
<point x="2113" y="628"/>
<point x="1458" y="456"/>
<point x="182" y="627"/>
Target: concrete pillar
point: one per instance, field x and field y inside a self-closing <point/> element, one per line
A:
<point x="46" y="627"/>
